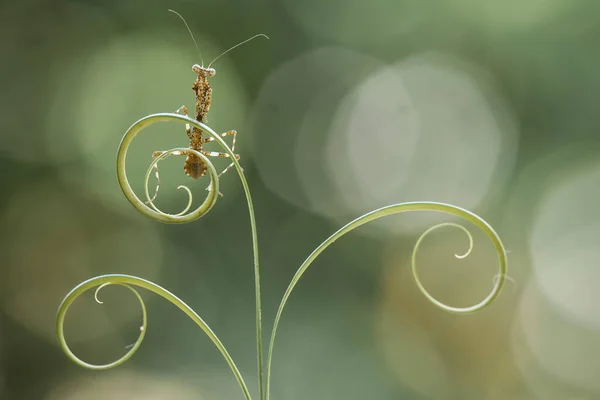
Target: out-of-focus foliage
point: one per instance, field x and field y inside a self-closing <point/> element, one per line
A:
<point x="491" y="106"/>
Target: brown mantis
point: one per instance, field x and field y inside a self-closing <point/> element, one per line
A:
<point x="194" y="167"/>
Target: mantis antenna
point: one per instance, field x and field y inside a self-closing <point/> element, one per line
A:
<point x="191" y="34"/>
<point x="239" y="44"/>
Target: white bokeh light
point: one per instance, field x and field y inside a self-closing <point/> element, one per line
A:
<point x="429" y="128"/>
<point x="354" y="135"/>
<point x="565" y="245"/>
<point x="291" y="119"/>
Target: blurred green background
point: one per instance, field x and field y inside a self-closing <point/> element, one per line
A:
<point x="351" y="105"/>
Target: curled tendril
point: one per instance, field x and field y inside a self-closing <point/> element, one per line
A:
<point x="462" y="228"/>
<point x="60" y="323"/>
<point x="152" y="211"/>
<point x="189" y="192"/>
<point x="128" y="282"/>
<point x="459" y="256"/>
<point x="396" y="209"/>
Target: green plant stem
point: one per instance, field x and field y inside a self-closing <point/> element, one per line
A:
<point x="395" y="209"/>
<point x="203" y="209"/>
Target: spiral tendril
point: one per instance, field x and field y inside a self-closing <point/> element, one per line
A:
<point x="76" y="292"/>
<point x="154" y="163"/>
<point x="396" y="209"/>
<point x="129" y="281"/>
